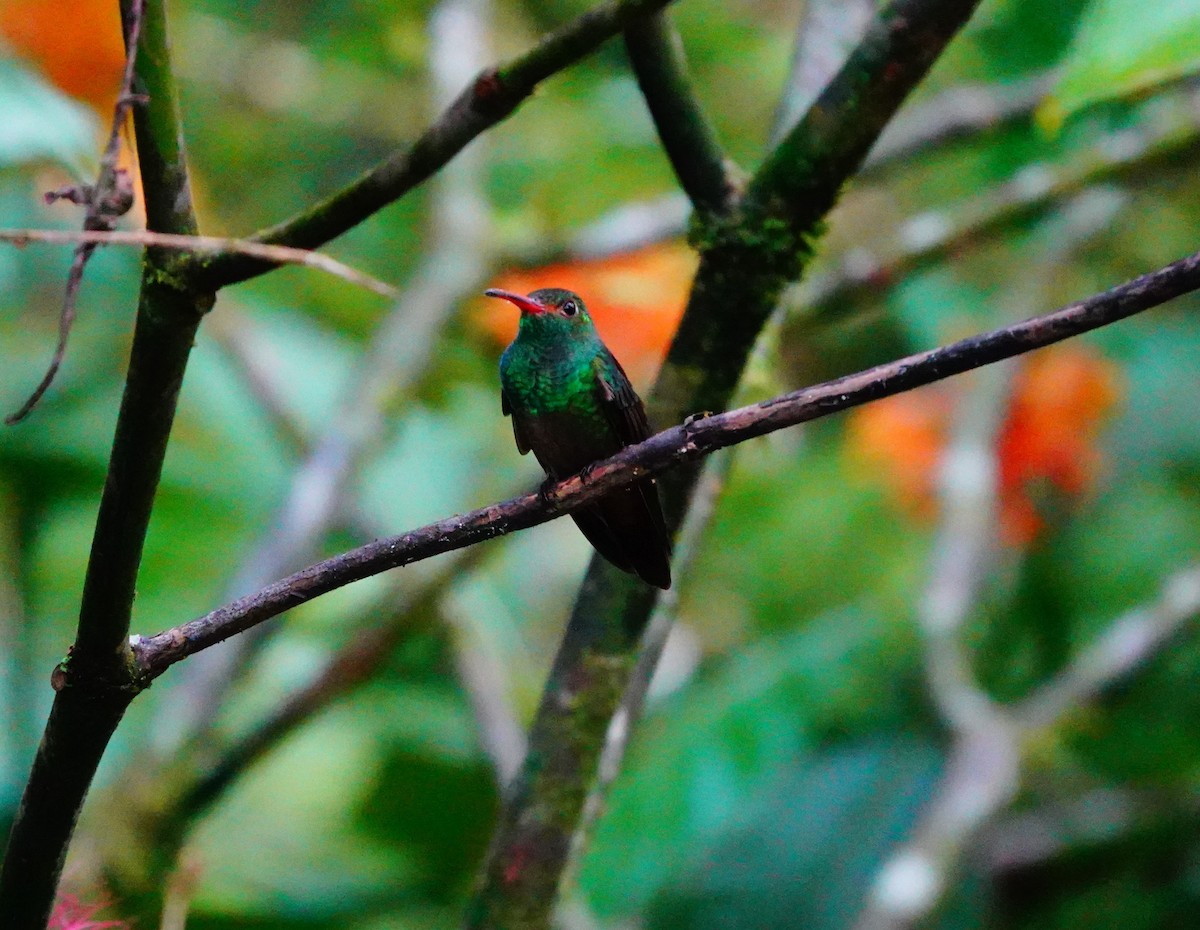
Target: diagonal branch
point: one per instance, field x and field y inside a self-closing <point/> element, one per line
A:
<point x="986" y="763"/>
<point x="806" y="169"/>
<point x="492" y="97"/>
<point x="692" y="440"/>
<point x="656" y="54"/>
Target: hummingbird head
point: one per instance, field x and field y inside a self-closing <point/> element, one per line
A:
<point x="549" y="308"/>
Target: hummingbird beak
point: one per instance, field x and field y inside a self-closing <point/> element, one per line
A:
<point x="524" y="303"/>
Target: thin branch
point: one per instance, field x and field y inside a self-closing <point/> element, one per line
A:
<point x="955" y="113"/>
<point x="492" y="97"/>
<point x="254" y="363"/>
<point x="688" y="138"/>
<point x="1125" y="645"/>
<point x="932" y="235"/>
<point x="485" y="680"/>
<point x="216" y="245"/>
<point x="350" y="667"/>
<point x="962" y="554"/>
<point x="692" y="440"/>
<point x="986" y="763"/>
<point x="107" y="200"/>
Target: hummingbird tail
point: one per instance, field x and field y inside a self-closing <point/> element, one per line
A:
<point x="627" y="528"/>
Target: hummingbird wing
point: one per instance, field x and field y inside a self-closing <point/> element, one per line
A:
<point x="627" y="528"/>
<point x="507" y="410"/>
<point x="622" y="407"/>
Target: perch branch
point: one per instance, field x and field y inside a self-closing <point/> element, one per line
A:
<point x="688" y="442"/>
<point x="747" y="257"/>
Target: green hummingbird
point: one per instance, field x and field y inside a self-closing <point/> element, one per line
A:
<point x="572" y="404"/>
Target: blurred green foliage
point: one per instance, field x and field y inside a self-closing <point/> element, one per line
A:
<point x="790" y="743"/>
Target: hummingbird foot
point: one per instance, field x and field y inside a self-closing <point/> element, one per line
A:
<point x="545" y="497"/>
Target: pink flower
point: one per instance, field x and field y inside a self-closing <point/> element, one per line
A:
<point x="72" y="914"/>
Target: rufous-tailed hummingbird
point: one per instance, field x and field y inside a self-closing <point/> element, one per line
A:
<point x="572" y="404"/>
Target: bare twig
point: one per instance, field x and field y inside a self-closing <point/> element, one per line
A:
<point x="234" y="334"/>
<point x="986" y="763"/>
<point x="985" y="759"/>
<point x="214" y="245"/>
<point x="1125" y="645"/>
<point x="107" y="200"/>
<point x="689" y="140"/>
<point x="690" y="441"/>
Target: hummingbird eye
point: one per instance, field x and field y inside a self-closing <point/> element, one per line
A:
<point x="570" y="308"/>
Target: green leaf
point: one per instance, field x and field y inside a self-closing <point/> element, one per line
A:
<point x="806" y="853"/>
<point x="714" y="755"/>
<point x="40" y="124"/>
<point x="1125" y="46"/>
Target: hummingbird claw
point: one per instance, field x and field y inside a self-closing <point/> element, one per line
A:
<point x="695" y="417"/>
<point x="544" y="490"/>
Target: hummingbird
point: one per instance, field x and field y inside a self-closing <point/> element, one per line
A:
<point x="572" y="404"/>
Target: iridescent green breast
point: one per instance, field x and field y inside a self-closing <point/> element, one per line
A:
<point x="550" y="368"/>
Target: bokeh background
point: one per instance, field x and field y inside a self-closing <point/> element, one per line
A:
<point x="790" y="741"/>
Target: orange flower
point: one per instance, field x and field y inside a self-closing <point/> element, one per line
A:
<point x="636" y="301"/>
<point x="903" y="437"/>
<point x="1048" y="440"/>
<point x="80" y="49"/>
<point x="1058" y="406"/>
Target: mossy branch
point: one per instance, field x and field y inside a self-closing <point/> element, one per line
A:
<point x="747" y="256"/>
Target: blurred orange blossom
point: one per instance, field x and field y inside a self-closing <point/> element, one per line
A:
<point x="1059" y="400"/>
<point x="635" y="299"/>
